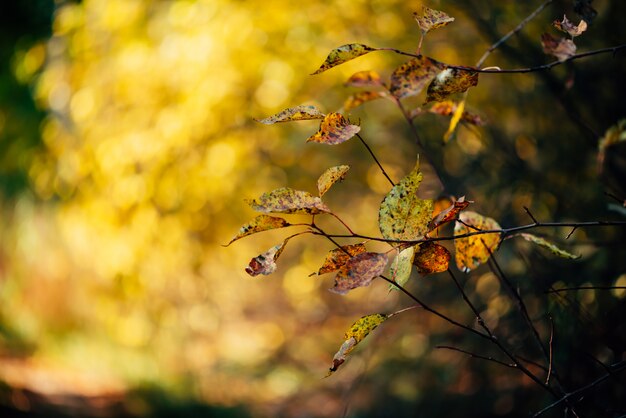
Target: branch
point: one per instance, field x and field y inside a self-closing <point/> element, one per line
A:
<point x="375" y="159"/>
<point x="567" y="289"/>
<point x="447" y="347"/>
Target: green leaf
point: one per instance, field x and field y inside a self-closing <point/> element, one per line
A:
<point x="411" y="77"/>
<point x="472" y="251"/>
<point x="403" y="215"/>
<point x="365" y="79"/>
<point x="402" y="266"/>
<point x="330" y="177"/>
<point x="292" y="114"/>
<point x="359" y="271"/>
<point x="286" y="200"/>
<point x="354" y="335"/>
<point x="259" y="224"/>
<point x="432" y="19"/>
<point x="450" y="81"/>
<point x="342" y="54"/>
<point x="334" y="130"/>
<point x="357" y="99"/>
<point x="548" y="245"/>
<point x="340" y="256"/>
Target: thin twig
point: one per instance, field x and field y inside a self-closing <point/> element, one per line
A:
<point x="342" y="222"/>
<point x="567" y="289"/>
<point x="550" y="347"/>
<point x="375" y="159"/>
<point x="474" y="355"/>
<point x="530" y="215"/>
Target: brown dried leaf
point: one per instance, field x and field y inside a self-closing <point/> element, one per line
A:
<point x="432" y="19"/>
<point x="357" y="99"/>
<point x="342" y="54"/>
<point x="340" y="256"/>
<point x="403" y="215"/>
<point x="334" y="130"/>
<point x="561" y="48"/>
<point x="365" y="79"/>
<point x="447" y="108"/>
<point x="265" y="263"/>
<point x="286" y="200"/>
<point x="411" y="77"/>
<point x="614" y="135"/>
<point x="359" y="271"/>
<point x="450" y="81"/>
<point x="472" y="251"/>
<point x="259" y="224"/>
<point x="568" y="27"/>
<point x="294" y="113"/>
<point x="432" y="258"/>
<point x="450" y="213"/>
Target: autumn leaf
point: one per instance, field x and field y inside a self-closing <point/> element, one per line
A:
<point x="401" y="266"/>
<point x="286" y="200"/>
<point x="548" y="245"/>
<point x="472" y="251"/>
<point x="450" y="213"/>
<point x="265" y="263"/>
<point x="456" y="118"/>
<point x="448" y="108"/>
<point x="403" y="215"/>
<point x="568" y="27"/>
<point x="259" y="224"/>
<point x="342" y="54"/>
<point x="359" y="271"/>
<point x="432" y="258"/>
<point x="614" y="135"/>
<point x="331" y="176"/>
<point x="294" y="113"/>
<point x="431" y="19"/>
<point x="334" y="130"/>
<point x="450" y="81"/>
<point x="354" y="335"/>
<point x="561" y="48"/>
<point x="357" y="99"/>
<point x="364" y="79"/>
<point x="340" y="256"/>
<point x="411" y="77"/>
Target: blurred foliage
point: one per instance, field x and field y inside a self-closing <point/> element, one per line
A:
<point x="111" y="272"/>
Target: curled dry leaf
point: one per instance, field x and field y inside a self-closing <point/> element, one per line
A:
<point x="334" y="130"/>
<point x="354" y="335"/>
<point x="340" y="256"/>
<point x="365" y="79"/>
<point x="411" y="77"/>
<point x="359" y="271"/>
<point x="454" y="121"/>
<point x="448" y="108"/>
<point x="614" y="135"/>
<point x="259" y="224"/>
<point x="357" y="99"/>
<point x="548" y="245"/>
<point x="294" y="113"/>
<point x="403" y="215"/>
<point x="568" y="27"/>
<point x="401" y="266"/>
<point x="561" y="48"/>
<point x="472" y="251"/>
<point x="342" y="54"/>
<point x="286" y="200"/>
<point x="330" y="177"/>
<point x="431" y="19"/>
<point x="450" y="81"/>
<point x="432" y="258"/>
<point x="450" y="213"/>
<point x="265" y="263"/>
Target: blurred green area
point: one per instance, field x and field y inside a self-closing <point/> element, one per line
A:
<point x="127" y="145"/>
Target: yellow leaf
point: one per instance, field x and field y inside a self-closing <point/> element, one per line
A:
<point x="411" y="77"/>
<point x="342" y="54"/>
<point x="339" y="256"/>
<point x="364" y="79"/>
<point x="431" y="19"/>
<point x="294" y="113"/>
<point x="472" y="251"/>
<point x="432" y="258"/>
<point x="286" y="200"/>
<point x="259" y="224"/>
<point x="450" y="81"/>
<point x="334" y="130"/>
<point x="357" y="99"/>
<point x="548" y="245"/>
<point x="456" y="118"/>
<point x="330" y="177"/>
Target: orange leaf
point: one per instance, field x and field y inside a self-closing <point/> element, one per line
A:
<point x="359" y="271"/>
<point x="450" y="81"/>
<point x="447" y="108"/>
<point x="432" y="258"/>
<point x="334" y="130"/>
<point x="364" y="79"/>
<point x="472" y="251"/>
<point x="342" y="54"/>
<point x="450" y="213"/>
<point x="411" y="77"/>
<point x="357" y="99"/>
<point x="340" y="256"/>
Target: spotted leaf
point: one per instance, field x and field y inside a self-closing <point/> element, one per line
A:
<point x="265" y="263"/>
<point x="354" y="335"/>
<point x="342" y="54"/>
<point x="330" y="177"/>
<point x="403" y="215"/>
<point x="294" y="113"/>
<point x="472" y="251"/>
<point x="365" y="79"/>
<point x="568" y="27"/>
<point x="334" y="130"/>
<point x="432" y="258"/>
<point x="450" y="81"/>
<point x="431" y="19"/>
<point x="357" y="99"/>
<point x="549" y="246"/>
<point x="411" y="77"/>
<point x="359" y="271"/>
<point x="340" y="256"/>
<point x="286" y="200"/>
<point x="259" y="224"/>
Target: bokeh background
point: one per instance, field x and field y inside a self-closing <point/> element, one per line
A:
<point x="127" y="146"/>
